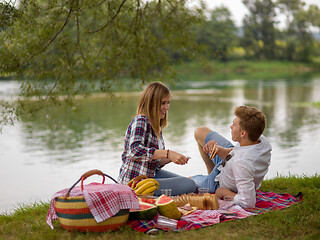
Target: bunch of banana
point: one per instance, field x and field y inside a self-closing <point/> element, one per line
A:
<point x="142" y="185"/>
<point x="146" y="186"/>
<point x="134" y="181"/>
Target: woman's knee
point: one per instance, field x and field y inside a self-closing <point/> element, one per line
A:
<point x="200" y="134"/>
<point x="179" y="185"/>
<point x="187" y="185"/>
<point x="192" y="186"/>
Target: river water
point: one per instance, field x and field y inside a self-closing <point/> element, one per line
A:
<point x="49" y="152"/>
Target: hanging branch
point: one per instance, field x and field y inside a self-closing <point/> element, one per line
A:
<point x="111" y="20"/>
<point x="54" y="36"/>
<point x="127" y="38"/>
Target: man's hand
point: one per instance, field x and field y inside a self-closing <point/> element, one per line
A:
<point x="225" y="192"/>
<point x="210" y="146"/>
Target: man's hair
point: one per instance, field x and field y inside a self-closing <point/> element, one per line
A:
<point x="150" y="105"/>
<point x="252" y="120"/>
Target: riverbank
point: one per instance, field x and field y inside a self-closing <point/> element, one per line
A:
<point x="300" y="221"/>
<point x="216" y="70"/>
<point x="227" y="70"/>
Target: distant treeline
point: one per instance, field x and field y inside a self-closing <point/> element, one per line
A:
<point x="80" y="46"/>
<point x="142" y="40"/>
<point x="260" y="37"/>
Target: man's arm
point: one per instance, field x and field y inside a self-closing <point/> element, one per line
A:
<point x="246" y="196"/>
<point x="225" y="192"/>
<point x="223" y="152"/>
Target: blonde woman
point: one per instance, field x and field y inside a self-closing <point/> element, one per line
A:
<point x="144" y="149"/>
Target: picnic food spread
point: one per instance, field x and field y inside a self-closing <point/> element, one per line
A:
<point x="146" y="211"/>
<point x="167" y="207"/>
<point x="142" y="185"/>
<point x="206" y="201"/>
<point x="214" y="151"/>
<point x="105" y="207"/>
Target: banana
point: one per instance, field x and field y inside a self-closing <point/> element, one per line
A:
<point x="149" y="190"/>
<point x="144" y="187"/>
<point x="144" y="181"/>
<point x="133" y="185"/>
<point x="153" y="180"/>
<point x="130" y="182"/>
<point x="134" y="180"/>
<point x="139" y="184"/>
<point x="141" y="177"/>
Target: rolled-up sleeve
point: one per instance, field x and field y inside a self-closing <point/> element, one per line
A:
<point x="246" y="195"/>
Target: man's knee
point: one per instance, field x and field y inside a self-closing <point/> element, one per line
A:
<point x="200" y="133"/>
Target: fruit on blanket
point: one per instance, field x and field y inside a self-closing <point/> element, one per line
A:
<point x="146" y="212"/>
<point x="150" y="200"/>
<point x="167" y="207"/>
<point x="146" y="187"/>
<point x="143" y="185"/>
<point x="142" y="182"/>
<point x="134" y="181"/>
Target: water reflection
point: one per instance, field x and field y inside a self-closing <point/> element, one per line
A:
<point x="96" y="126"/>
<point x="50" y="151"/>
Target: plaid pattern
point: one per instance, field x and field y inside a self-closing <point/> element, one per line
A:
<point x="266" y="201"/>
<point x="140" y="145"/>
<point x="270" y="201"/>
<point x="146" y="225"/>
<point x="143" y="225"/>
<point x="204" y="217"/>
<point x="103" y="200"/>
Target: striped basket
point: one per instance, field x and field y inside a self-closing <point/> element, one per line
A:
<point x="74" y="214"/>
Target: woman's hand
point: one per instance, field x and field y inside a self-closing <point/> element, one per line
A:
<point x="177" y="158"/>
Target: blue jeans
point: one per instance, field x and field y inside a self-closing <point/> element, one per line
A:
<point x="175" y="182"/>
<point x="208" y="181"/>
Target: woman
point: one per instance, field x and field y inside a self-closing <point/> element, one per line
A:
<point x="144" y="151"/>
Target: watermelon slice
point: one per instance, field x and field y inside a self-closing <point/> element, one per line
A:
<point x="150" y="200"/>
<point x="146" y="212"/>
<point x="167" y="207"/>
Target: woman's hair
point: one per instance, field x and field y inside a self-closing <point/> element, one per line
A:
<point x="150" y="104"/>
<point x="252" y="120"/>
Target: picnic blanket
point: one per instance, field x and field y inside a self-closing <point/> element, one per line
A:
<point x="266" y="201"/>
<point x="103" y="200"/>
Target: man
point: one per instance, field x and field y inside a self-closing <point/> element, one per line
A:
<point x="235" y="172"/>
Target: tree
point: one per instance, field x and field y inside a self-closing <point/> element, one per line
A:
<point x="314" y="15"/>
<point x="259" y="30"/>
<point x="298" y="28"/>
<point x="218" y="33"/>
<point x="7" y="13"/>
<point x="70" y="47"/>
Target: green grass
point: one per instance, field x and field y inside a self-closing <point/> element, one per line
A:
<point x="300" y="221"/>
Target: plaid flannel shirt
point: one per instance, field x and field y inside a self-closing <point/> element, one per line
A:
<point x="140" y="145"/>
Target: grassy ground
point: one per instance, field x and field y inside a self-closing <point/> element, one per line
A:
<point x="301" y="221"/>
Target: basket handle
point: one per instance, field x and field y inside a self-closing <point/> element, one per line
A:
<point x="88" y="174"/>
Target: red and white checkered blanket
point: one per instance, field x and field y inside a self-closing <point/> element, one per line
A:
<point x="103" y="200"/>
<point x="266" y="201"/>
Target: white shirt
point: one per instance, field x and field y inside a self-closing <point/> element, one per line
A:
<point x="244" y="172"/>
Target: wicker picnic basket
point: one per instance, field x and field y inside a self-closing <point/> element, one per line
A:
<point x="74" y="214"/>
